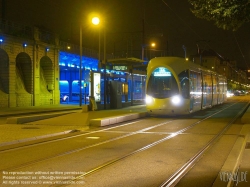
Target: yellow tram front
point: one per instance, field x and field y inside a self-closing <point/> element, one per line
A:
<point x="165" y="95"/>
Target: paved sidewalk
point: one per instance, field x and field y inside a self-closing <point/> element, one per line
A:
<point x="36" y="109"/>
<point x="71" y="122"/>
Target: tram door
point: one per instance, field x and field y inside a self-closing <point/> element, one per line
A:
<point x="195" y="90"/>
<point x="215" y="91"/>
<point x="207" y="90"/>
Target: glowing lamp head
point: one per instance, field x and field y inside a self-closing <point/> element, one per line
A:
<point x="149" y="99"/>
<point x="95" y="20"/>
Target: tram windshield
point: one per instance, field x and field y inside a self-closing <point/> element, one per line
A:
<point x="162" y="84"/>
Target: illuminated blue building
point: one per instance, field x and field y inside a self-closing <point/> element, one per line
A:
<point x="37" y="69"/>
<point x="69" y="78"/>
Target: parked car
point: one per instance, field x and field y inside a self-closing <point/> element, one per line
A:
<point x="239" y="93"/>
<point x="64" y="98"/>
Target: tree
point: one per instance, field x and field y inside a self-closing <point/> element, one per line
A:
<point x="227" y="14"/>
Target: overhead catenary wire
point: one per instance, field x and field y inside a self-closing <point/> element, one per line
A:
<point x="238" y="45"/>
<point x="193" y="30"/>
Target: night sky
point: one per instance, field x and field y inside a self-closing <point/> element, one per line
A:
<point x="170" y="26"/>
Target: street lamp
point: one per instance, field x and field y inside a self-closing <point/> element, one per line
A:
<point x="80" y="67"/>
<point x="95" y="21"/>
<point x="143" y="48"/>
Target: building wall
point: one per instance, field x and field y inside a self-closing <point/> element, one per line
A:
<point x="20" y="72"/>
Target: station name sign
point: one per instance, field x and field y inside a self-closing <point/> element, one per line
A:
<point x="120" y="68"/>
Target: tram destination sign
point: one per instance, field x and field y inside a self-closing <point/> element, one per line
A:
<point x="162" y="72"/>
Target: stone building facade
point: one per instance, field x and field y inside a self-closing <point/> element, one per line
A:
<point x="29" y="69"/>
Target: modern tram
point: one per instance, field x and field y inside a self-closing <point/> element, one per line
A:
<point x="175" y="86"/>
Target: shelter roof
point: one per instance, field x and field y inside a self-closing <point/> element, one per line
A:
<point x="126" y="61"/>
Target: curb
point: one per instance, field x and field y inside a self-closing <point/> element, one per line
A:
<point x="246" y="116"/>
<point x="14" y="113"/>
<point x="35" y="138"/>
<point x="94" y="122"/>
<point x="232" y="162"/>
<point x="234" y="158"/>
<point x="27" y="119"/>
<point x="100" y="122"/>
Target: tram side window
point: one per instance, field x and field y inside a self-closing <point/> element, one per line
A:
<point x="214" y="84"/>
<point x="195" y="78"/>
<point x="225" y="86"/>
<point x="184" y="82"/>
<point x="207" y="83"/>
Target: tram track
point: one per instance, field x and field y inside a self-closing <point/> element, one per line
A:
<point x="63" y="138"/>
<point x="186" y="166"/>
<point x="176" y="177"/>
<point x="111" y="162"/>
<point x="82" y="148"/>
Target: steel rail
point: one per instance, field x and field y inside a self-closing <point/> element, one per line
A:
<point x="68" y="137"/>
<point x="141" y="149"/>
<point x="183" y="170"/>
<point x="85" y="147"/>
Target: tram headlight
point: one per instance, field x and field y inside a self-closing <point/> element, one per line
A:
<point x="176" y="100"/>
<point x="149" y="99"/>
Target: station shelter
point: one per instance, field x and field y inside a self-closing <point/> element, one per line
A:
<point x="124" y="85"/>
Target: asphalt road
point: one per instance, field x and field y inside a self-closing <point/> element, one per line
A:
<point x="142" y="153"/>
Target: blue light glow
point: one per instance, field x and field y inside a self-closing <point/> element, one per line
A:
<point x="70" y="58"/>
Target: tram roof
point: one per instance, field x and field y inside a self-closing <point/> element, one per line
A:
<point x="177" y="64"/>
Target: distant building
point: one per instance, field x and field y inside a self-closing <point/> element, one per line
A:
<point x="211" y="60"/>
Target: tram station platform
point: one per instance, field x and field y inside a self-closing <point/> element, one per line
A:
<point x="53" y="123"/>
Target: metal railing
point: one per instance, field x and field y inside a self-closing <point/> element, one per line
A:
<point x="15" y="29"/>
<point x="73" y="48"/>
<point x="46" y="36"/>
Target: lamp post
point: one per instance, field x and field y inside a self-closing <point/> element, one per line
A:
<point x="185" y="51"/>
<point x="80" y="67"/>
<point x="105" y="59"/>
<point x="95" y="21"/>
